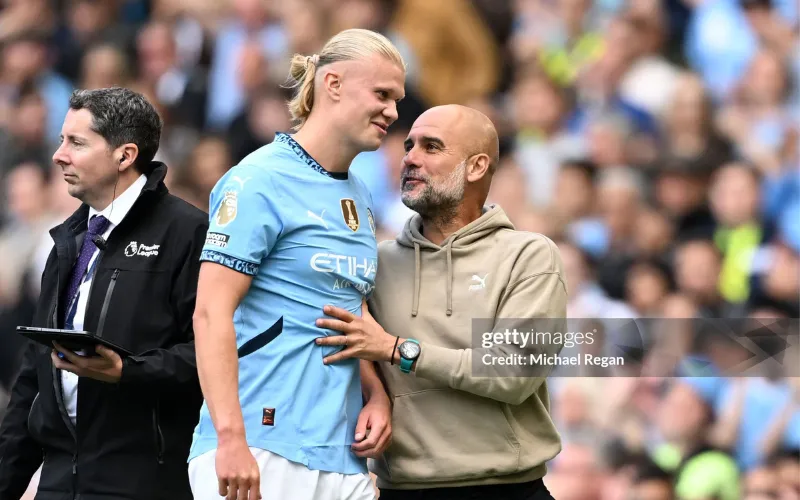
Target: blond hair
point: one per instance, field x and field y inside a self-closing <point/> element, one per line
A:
<point x="347" y="45"/>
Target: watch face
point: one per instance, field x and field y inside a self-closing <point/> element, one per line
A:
<point x="409" y="350"/>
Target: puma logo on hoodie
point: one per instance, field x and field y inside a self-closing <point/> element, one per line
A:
<point x="481" y="282"/>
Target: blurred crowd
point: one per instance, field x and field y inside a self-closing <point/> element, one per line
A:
<point x="656" y="141"/>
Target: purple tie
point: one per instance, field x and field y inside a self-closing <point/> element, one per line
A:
<point x="97" y="226"/>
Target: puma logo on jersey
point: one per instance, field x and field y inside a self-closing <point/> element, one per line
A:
<point x="318" y="217"/>
<point x="241" y="181"/>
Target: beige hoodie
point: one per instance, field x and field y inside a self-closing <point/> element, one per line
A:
<point x="451" y="428"/>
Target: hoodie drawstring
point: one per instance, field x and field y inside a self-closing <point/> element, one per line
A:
<point x="417" y="279"/>
<point x="450" y="278"/>
<point x="492" y="219"/>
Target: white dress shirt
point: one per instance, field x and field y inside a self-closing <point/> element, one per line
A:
<point x="115" y="212"/>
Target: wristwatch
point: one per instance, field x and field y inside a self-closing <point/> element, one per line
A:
<point x="409" y="352"/>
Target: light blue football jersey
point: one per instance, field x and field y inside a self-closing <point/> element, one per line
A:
<point x="307" y="237"/>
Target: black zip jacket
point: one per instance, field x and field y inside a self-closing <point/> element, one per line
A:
<point x="132" y="438"/>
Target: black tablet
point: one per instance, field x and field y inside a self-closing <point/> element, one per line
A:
<point x="76" y="341"/>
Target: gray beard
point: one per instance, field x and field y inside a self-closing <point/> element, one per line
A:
<point x="439" y="204"/>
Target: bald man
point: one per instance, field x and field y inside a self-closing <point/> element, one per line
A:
<point x="458" y="431"/>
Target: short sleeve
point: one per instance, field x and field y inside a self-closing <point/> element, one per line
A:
<point x="244" y="223"/>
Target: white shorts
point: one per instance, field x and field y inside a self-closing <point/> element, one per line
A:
<point x="282" y="479"/>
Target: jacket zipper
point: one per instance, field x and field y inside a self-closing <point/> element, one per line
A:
<point x="158" y="435"/>
<point x="58" y="388"/>
<point x="60" y="391"/>
<point x="75" y="494"/>
<point x="63" y="410"/>
<point x="106" y="301"/>
<point x="101" y="321"/>
<point x="57" y="375"/>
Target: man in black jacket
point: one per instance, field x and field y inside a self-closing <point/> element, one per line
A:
<point x="124" y="266"/>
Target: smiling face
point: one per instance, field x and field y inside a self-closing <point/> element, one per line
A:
<point x="450" y="156"/>
<point x="86" y="159"/>
<point x="433" y="177"/>
<point x="369" y="91"/>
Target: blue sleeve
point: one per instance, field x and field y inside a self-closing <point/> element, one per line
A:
<point x="244" y="222"/>
<point x="778" y="192"/>
<point x="791" y="437"/>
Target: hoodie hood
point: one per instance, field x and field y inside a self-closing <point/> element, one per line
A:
<point x="493" y="219"/>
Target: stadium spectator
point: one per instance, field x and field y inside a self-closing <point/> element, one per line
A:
<point x="760" y="483"/>
<point x="735" y="204"/>
<point x="651" y="78"/>
<point x="181" y="92"/>
<point x="787" y="464"/>
<point x="251" y="21"/>
<point x="701" y="471"/>
<point x="104" y="65"/>
<point x="650" y="482"/>
<point x="25" y="62"/>
<point x="83" y="24"/>
<point x="29" y="215"/>
<point x="541" y="143"/>
<point x="576" y="473"/>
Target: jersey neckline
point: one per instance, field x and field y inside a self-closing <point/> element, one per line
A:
<point x="307" y="158"/>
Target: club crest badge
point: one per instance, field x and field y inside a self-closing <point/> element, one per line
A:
<point x="228" y="209"/>
<point x="350" y="214"/>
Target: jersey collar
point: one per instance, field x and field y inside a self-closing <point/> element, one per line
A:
<point x="307" y="158"/>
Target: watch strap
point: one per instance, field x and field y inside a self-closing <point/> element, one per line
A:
<point x="405" y="364"/>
